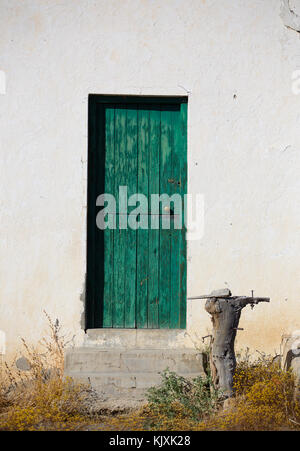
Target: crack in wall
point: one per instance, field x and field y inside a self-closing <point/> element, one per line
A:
<point x="289" y="16"/>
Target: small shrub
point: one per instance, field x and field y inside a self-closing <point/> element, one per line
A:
<point x="179" y="398"/>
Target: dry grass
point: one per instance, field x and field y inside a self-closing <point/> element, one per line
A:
<point x="41" y="399"/>
<point x="264" y="399"/>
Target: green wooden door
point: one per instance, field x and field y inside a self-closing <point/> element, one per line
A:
<point x="136" y="278"/>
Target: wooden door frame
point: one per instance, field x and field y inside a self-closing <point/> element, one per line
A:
<point x="96" y="110"/>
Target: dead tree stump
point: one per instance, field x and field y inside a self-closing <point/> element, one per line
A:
<point x="225" y="312"/>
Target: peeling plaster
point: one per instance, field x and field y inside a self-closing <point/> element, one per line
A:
<point x="83" y="312"/>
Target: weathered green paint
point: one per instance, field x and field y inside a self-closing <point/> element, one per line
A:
<point x="136" y="278"/>
<point x="109" y="234"/>
<point x="165" y="234"/>
<point x="131" y="181"/>
<point x="153" y="267"/>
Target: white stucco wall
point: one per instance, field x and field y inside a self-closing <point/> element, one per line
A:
<point x="235" y="58"/>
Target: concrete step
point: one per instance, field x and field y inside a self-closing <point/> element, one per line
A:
<point x="122" y="385"/>
<point x="120" y="365"/>
<point x="138" y="338"/>
<point x="94" y="360"/>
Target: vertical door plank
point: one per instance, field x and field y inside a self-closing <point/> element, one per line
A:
<point x="176" y="188"/>
<point x="183" y="175"/>
<point x="153" y="282"/>
<point x="142" y="234"/>
<point x="130" y="260"/>
<point x="165" y="242"/>
<point x="109" y="233"/>
<point x="120" y="234"/>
